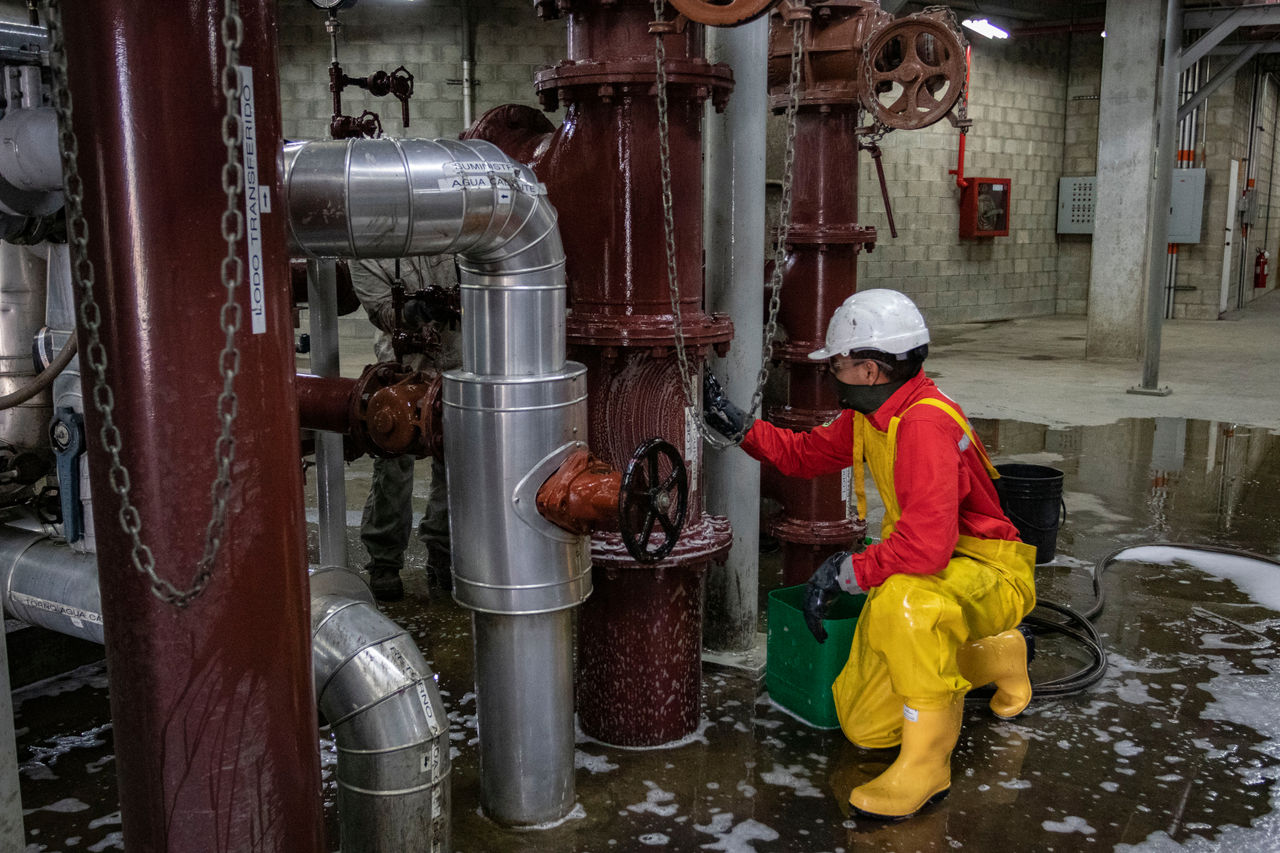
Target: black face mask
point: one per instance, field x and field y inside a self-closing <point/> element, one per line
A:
<point x="866" y="398"/>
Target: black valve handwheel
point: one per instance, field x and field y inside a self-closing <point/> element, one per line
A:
<point x="654" y="493"/>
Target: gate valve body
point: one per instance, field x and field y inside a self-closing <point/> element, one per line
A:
<point x="365" y="126"/>
<point x="398" y="412"/>
<point x="653" y="492"/>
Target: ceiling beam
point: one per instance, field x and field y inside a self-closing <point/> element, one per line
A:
<point x="1249" y="16"/>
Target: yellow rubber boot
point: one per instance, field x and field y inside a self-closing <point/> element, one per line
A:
<point x="1001" y="658"/>
<point x="922" y="772"/>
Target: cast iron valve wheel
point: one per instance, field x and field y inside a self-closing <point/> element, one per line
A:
<point x="722" y="13"/>
<point x="914" y="71"/>
<point x="652" y="493"/>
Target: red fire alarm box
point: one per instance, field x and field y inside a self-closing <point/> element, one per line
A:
<point x="984" y="208"/>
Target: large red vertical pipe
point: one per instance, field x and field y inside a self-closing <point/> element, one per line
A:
<point x="822" y="264"/>
<point x="212" y="706"/>
<point x="639" y="651"/>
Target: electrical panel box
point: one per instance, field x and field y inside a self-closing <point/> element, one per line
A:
<point x="984" y="207"/>
<point x="1076" y="203"/>
<point x="1186" y="203"/>
<point x="1077" y="200"/>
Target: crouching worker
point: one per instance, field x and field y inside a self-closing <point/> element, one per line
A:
<point x="949" y="580"/>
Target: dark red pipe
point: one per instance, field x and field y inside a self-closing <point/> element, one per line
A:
<point x="639" y="650"/>
<point x="821" y="269"/>
<point x="212" y="706"/>
<point x="324" y="402"/>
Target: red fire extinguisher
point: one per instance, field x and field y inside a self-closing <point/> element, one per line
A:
<point x="1260" y="268"/>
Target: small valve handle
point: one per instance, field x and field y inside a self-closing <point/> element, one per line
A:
<point x="654" y="493"/>
<point x="400" y="82"/>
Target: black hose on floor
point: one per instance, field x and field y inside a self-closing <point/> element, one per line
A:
<point x="1079" y="627"/>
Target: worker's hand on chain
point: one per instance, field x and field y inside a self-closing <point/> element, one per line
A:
<point x="835" y="574"/>
<point x="720" y="414"/>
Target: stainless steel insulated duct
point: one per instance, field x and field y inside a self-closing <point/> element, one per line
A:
<point x="380" y="699"/>
<point x="42" y="582"/>
<point x="513" y="412"/>
<point x="373" y="687"/>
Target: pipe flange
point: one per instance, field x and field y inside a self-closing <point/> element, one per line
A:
<point x="802" y="531"/>
<point x="707" y="539"/>
<point x="646" y="330"/>
<point x="570" y="80"/>
<point x="837" y="235"/>
<point x="722" y="13"/>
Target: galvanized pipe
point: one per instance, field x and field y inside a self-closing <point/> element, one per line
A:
<point x="373" y="686"/>
<point x="331" y="489"/>
<point x="43" y="582"/>
<point x="511" y="414"/>
<point x="379" y="696"/>
<point x="735" y="162"/>
<point x="22" y="304"/>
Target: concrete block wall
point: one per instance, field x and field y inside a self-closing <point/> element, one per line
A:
<point x="1017" y="101"/>
<point x="1226" y="129"/>
<point x="511" y="44"/>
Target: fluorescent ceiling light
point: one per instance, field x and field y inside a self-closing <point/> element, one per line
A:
<point x="983" y="27"/>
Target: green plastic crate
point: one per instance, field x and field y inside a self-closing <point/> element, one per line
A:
<point x="800" y="670"/>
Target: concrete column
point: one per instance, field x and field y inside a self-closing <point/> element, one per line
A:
<point x="734" y="225"/>
<point x="1126" y="157"/>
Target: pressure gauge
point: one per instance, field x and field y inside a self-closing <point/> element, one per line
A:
<point x="335" y="5"/>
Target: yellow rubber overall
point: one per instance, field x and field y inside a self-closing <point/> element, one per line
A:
<point x="904" y="650"/>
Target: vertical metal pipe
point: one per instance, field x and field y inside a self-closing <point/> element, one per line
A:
<point x="1159" y="247"/>
<point x="322" y="311"/>
<point x="512" y="412"/>
<point x="524" y="704"/>
<point x="734" y="214"/>
<point x="468" y="62"/>
<point x="211" y="704"/>
<point x="12" y="836"/>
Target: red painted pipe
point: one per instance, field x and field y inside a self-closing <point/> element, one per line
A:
<point x="212" y="706"/>
<point x="639" y="662"/>
<point x="821" y="272"/>
<point x="958" y="171"/>
<point x="324" y="402"/>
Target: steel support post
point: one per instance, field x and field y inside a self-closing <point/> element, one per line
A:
<point x="1158" y="258"/>
<point x="734" y="222"/>
<point x="322" y="312"/>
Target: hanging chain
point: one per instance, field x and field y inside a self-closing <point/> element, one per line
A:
<point x="232" y="30"/>
<point x="687" y="380"/>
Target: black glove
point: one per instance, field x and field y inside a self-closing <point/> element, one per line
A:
<point x="822" y="590"/>
<point x="720" y="414"/>
<point x="416" y="313"/>
<point x="430" y="305"/>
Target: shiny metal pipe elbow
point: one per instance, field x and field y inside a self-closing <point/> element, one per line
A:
<point x="380" y="698"/>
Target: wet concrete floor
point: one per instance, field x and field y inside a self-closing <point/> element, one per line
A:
<point x="1176" y="748"/>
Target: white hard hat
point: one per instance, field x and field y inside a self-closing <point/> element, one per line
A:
<point x="883" y="320"/>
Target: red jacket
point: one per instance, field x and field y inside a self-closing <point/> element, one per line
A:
<point x="943" y="491"/>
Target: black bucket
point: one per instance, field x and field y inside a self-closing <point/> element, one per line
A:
<point x="1031" y="495"/>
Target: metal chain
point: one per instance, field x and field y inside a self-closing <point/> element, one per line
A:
<point x="140" y="555"/>
<point x="779" y="246"/>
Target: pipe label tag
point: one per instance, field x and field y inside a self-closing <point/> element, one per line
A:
<point x="77" y="615"/>
<point x="692" y="442"/>
<point x="256" y="202"/>
<point x="483" y="174"/>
